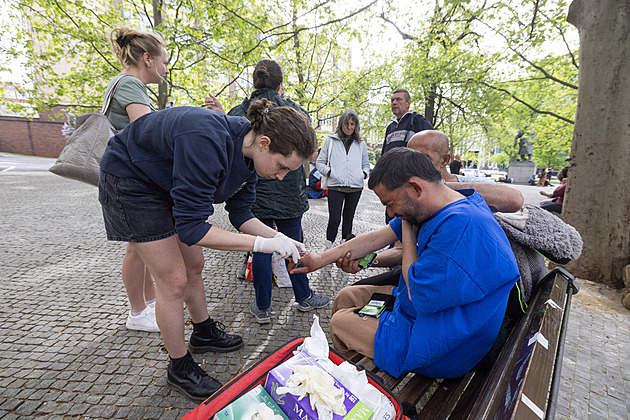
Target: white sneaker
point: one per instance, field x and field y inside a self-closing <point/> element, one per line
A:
<point x="327" y="245"/>
<point x="145" y="321"/>
<point x="151" y="305"/>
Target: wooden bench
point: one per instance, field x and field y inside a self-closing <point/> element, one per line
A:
<point x="523" y="381"/>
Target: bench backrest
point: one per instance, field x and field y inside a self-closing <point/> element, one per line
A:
<point x="524" y="379"/>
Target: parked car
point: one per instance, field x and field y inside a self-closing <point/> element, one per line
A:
<point x="474" y="172"/>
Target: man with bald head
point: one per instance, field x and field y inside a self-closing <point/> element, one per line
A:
<point x="434" y="144"/>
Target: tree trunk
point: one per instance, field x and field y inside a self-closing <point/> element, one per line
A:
<point x="598" y="190"/>
<point x="429" y="106"/>
<point x="157" y="21"/>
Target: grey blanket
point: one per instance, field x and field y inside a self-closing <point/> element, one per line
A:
<point x="532" y="230"/>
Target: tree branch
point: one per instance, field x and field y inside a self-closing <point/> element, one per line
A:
<point x="536" y="110"/>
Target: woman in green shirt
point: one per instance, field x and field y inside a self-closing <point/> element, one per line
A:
<point x="144" y="58"/>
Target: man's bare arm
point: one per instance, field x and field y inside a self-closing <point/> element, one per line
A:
<point x="498" y="197"/>
<point x="357" y="247"/>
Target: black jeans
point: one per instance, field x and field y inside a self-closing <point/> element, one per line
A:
<point x="336" y="203"/>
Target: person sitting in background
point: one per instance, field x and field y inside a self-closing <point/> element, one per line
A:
<point x="314" y="186"/>
<point x="434" y="144"/>
<point x="556" y="198"/>
<point x="542" y="179"/>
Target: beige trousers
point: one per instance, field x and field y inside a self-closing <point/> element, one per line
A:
<point x="348" y="330"/>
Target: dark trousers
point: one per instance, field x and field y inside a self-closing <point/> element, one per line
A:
<point x="339" y="202"/>
<point x="261" y="266"/>
<point x="551" y="206"/>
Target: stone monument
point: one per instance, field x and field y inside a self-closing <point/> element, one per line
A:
<point x="521" y="171"/>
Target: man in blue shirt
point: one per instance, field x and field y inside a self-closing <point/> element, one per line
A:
<point x="457" y="272"/>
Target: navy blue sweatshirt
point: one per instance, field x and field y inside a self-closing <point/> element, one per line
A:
<point x="194" y="155"/>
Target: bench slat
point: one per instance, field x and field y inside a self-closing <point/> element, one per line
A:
<point x="495" y="386"/>
<point x="415" y="389"/>
<point x="533" y="397"/>
<point x="445" y="397"/>
<point x="464" y="405"/>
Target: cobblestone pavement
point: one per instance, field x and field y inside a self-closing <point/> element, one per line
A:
<point x="65" y="351"/>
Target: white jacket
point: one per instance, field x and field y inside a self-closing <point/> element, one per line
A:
<point x="346" y="169"/>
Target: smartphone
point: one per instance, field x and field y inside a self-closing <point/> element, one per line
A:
<point x="368" y="260"/>
<point x="378" y="303"/>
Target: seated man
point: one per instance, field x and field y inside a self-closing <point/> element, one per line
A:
<point x="457" y="272"/>
<point x="434" y="144"/>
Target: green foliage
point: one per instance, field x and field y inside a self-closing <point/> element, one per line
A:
<point x="479" y="95"/>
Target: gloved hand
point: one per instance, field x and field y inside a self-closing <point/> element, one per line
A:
<point x="300" y="246"/>
<point x="282" y="246"/>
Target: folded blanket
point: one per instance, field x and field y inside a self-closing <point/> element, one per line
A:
<point x="534" y="233"/>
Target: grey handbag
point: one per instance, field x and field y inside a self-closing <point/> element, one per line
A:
<point x="80" y="156"/>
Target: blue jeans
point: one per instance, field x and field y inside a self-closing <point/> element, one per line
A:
<point x="261" y="266"/>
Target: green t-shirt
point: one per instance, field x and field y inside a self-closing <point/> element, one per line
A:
<point x="130" y="90"/>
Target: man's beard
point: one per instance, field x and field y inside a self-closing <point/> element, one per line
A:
<point x="411" y="212"/>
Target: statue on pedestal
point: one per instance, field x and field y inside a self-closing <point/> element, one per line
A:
<point x="525" y="146"/>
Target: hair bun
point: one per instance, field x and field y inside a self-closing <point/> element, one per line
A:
<point x="257" y="111"/>
<point x="122" y="40"/>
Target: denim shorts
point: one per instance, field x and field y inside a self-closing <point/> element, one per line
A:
<point x="134" y="210"/>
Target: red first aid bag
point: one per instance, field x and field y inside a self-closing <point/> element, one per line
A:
<point x="257" y="374"/>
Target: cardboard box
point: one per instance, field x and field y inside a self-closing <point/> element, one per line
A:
<point x="301" y="409"/>
<point x="247" y="405"/>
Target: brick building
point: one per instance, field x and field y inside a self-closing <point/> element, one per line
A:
<point x="32" y="136"/>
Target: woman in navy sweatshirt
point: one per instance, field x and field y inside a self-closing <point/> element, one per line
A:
<point x="159" y="180"/>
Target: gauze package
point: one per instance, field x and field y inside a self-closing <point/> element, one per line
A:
<point x="257" y="404"/>
<point x="305" y="391"/>
<point x="347" y="374"/>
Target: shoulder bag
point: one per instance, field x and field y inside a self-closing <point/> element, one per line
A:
<point x="324" y="178"/>
<point x="82" y="153"/>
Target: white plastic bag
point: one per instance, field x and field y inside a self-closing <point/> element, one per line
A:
<point x="279" y="269"/>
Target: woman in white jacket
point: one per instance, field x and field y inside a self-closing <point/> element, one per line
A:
<point x="344" y="159"/>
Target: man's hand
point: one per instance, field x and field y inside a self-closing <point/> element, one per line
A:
<point x="348" y="265"/>
<point x="410" y="233"/>
<point x="213" y="103"/>
<point x="308" y="262"/>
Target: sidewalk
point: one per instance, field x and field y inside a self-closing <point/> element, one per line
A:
<point x="65" y="351"/>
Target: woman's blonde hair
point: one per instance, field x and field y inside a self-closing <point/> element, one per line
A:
<point x="129" y="45"/>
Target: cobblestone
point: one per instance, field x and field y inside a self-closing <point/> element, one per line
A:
<point x="65" y="351"/>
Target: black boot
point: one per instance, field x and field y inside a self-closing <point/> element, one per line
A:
<point x="210" y="335"/>
<point x="186" y="376"/>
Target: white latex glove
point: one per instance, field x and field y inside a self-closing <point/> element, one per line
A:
<point x="299" y="245"/>
<point x="282" y="246"/>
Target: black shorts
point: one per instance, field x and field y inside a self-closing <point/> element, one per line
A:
<point x="134" y="210"/>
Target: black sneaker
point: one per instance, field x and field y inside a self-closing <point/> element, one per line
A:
<point x="210" y="335"/>
<point x="186" y="376"/>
